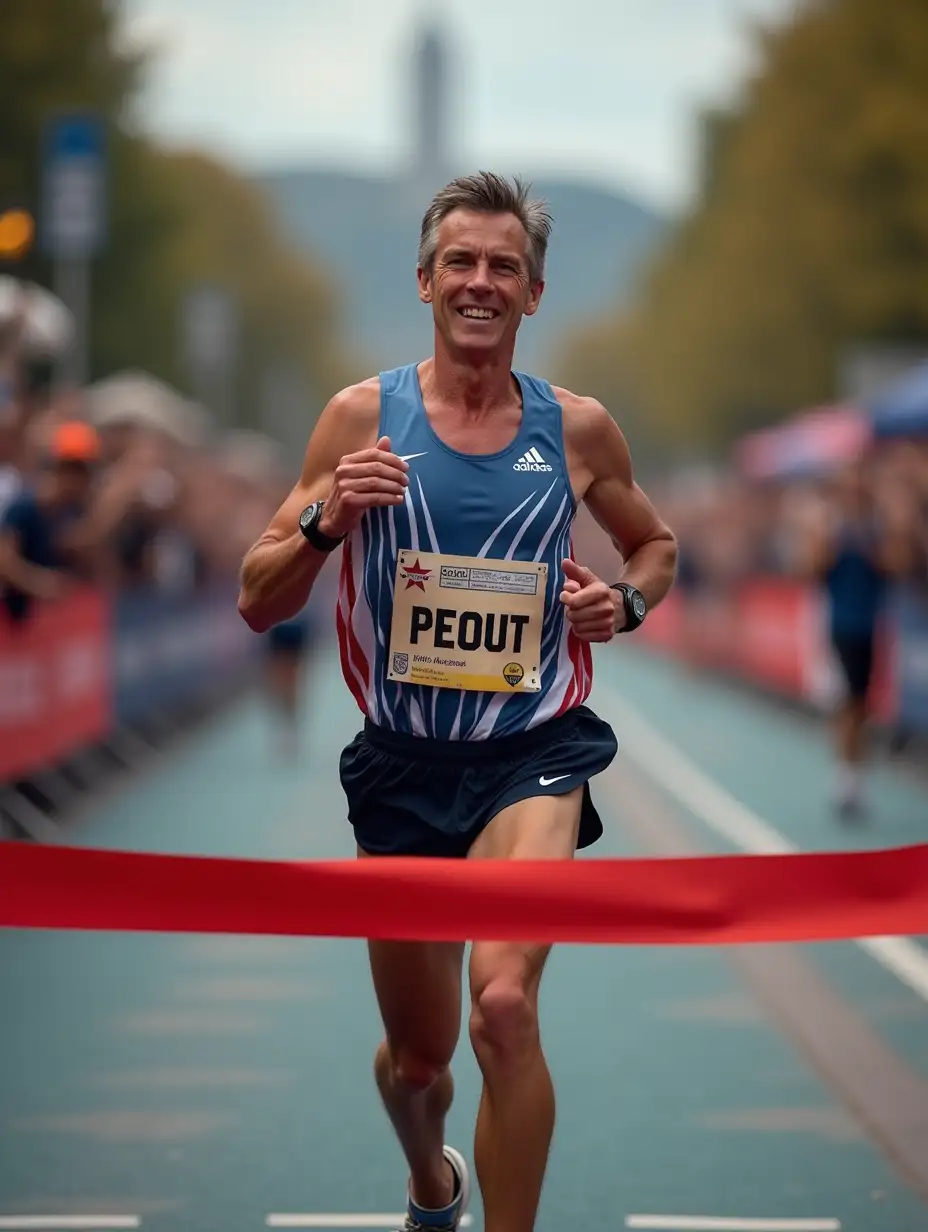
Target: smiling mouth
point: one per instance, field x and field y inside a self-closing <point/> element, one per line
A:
<point x="478" y="314"/>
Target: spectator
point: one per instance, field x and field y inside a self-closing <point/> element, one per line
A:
<point x="11" y="330"/>
<point x="34" y="551"/>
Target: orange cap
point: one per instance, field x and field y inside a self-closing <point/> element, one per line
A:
<point x="74" y="441"/>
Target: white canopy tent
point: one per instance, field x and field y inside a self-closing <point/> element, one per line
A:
<point x="137" y="398"/>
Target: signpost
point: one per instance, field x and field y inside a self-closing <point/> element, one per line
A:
<point x="74" y="219"/>
<point x="210" y="336"/>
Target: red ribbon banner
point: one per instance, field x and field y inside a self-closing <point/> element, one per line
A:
<point x="705" y="900"/>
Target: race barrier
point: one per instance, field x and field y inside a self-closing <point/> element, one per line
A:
<point x="691" y="900"/>
<point x="773" y="632"/>
<point x="169" y="651"/>
<point x="77" y="669"/>
<point x="55" y="693"/>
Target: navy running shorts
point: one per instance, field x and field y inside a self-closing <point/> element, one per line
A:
<point x="411" y="796"/>
<point x="855" y="655"/>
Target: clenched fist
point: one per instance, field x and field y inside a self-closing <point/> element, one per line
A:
<point x="363" y="481"/>
<point x="591" y="606"/>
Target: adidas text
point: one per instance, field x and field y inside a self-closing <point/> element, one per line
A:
<point x="531" y="461"/>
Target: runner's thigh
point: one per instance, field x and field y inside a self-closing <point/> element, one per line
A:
<point x="537" y="828"/>
<point x="540" y="827"/>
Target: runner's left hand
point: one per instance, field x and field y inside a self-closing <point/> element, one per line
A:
<point x="592" y="608"/>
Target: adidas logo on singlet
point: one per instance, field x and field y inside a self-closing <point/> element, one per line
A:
<point x="531" y="460"/>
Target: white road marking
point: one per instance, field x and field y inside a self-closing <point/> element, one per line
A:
<point x="92" y="1222"/>
<point x="314" y="1220"/>
<point x="712" y="1223"/>
<point x="717" y="808"/>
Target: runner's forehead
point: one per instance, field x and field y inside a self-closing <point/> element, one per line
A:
<point x="473" y="231"/>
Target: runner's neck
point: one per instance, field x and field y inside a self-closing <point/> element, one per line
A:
<point x="474" y="390"/>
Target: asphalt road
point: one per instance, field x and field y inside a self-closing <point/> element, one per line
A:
<point x="191" y="1083"/>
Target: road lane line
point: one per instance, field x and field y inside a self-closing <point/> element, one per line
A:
<point x="94" y="1223"/>
<point x="715" y="1223"/>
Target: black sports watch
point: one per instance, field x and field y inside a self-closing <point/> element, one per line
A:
<point x="636" y="607"/>
<point x="309" y="528"/>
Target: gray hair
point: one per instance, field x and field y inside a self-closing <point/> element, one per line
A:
<point x="490" y="194"/>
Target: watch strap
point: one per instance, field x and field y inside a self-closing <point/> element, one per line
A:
<point x="632" y="619"/>
<point x="314" y="536"/>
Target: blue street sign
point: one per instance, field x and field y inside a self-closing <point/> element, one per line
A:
<point x="76" y="136"/>
<point x="74" y="186"/>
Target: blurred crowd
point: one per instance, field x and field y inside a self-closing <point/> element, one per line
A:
<point x="129" y="485"/>
<point x="731" y="528"/>
<point x="124" y="484"/>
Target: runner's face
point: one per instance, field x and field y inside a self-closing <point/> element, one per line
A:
<point x="479" y="284"/>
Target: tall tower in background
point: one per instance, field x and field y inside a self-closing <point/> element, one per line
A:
<point x="431" y="94"/>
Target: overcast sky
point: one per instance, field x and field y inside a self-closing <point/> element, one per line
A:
<point x="607" y="88"/>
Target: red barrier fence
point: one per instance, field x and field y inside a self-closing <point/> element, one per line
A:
<point x="706" y="900"/>
<point x="769" y="631"/>
<point x="76" y="669"/>
<point x="54" y="683"/>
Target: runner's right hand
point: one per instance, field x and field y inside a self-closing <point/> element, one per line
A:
<point x="364" y="480"/>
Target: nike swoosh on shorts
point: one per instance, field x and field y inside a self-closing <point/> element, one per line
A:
<point x="546" y="782"/>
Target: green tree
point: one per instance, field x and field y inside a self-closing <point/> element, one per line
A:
<point x="57" y="56"/>
<point x="810" y="235"/>
<point x="54" y="55"/>
<point x="287" y="309"/>
<point x="172" y="219"/>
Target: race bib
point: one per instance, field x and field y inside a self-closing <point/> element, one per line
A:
<point x="463" y="622"/>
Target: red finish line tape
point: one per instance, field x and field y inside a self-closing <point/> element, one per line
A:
<point x="704" y="900"/>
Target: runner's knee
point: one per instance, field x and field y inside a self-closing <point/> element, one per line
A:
<point x="416" y="1070"/>
<point x="504" y="1019"/>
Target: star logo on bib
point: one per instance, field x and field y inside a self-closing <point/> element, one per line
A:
<point x="415" y="575"/>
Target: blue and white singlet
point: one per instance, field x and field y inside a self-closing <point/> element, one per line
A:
<point x="513" y="505"/>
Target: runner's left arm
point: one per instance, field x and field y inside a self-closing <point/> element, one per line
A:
<point x="603" y="478"/>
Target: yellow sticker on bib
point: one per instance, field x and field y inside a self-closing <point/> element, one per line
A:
<point x="464" y="622"/>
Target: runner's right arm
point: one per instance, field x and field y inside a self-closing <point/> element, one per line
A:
<point x="347" y="467"/>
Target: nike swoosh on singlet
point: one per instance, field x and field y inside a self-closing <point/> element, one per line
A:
<point x="406" y="456"/>
<point x="546" y="782"/>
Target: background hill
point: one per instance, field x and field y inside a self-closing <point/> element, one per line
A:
<point x="365" y="230"/>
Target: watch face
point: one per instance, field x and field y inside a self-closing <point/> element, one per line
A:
<point x="639" y="606"/>
<point x="308" y="516"/>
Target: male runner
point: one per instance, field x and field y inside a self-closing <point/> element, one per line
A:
<point x="464" y="626"/>
<point x="855" y="555"/>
